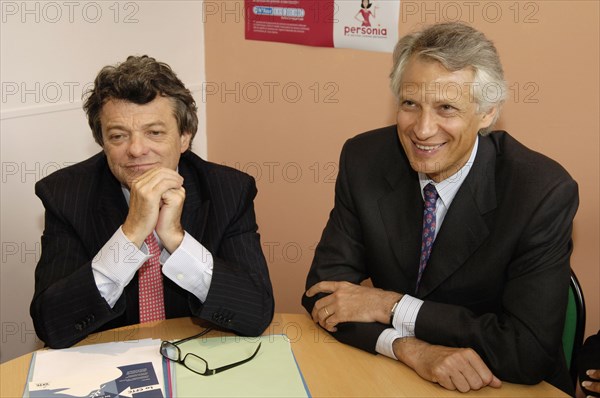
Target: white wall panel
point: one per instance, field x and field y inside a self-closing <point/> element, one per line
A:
<point x="50" y="51"/>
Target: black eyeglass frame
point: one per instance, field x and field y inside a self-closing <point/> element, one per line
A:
<point x="208" y="371"/>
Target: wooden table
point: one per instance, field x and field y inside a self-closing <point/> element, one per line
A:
<point x="329" y="367"/>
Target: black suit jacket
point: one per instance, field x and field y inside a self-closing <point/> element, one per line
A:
<point x="498" y="275"/>
<point x="85" y="206"/>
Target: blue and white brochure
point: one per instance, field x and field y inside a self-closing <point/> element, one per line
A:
<point x="124" y="369"/>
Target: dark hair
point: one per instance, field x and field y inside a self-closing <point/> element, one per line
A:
<point x="140" y="80"/>
<point x="362" y="6"/>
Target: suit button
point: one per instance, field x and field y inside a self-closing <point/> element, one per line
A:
<point x="79" y="327"/>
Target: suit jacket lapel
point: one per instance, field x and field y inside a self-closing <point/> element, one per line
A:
<point x="197" y="201"/>
<point x="111" y="209"/>
<point x="464" y="228"/>
<point x="401" y="210"/>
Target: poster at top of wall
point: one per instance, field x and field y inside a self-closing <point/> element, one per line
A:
<point x="360" y="24"/>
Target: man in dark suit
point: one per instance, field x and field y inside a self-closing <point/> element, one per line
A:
<point x="147" y="230"/>
<point x="464" y="234"/>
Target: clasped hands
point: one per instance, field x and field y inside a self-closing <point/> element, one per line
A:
<point x="156" y="203"/>
<point x="453" y="368"/>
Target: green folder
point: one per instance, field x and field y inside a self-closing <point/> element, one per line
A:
<point x="272" y="373"/>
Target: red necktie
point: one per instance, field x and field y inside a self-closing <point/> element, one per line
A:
<point x="151" y="294"/>
<point x="431" y="196"/>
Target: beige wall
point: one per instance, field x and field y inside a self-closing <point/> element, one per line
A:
<point x="291" y="143"/>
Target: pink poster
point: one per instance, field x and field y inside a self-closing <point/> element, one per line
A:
<point x="361" y="24"/>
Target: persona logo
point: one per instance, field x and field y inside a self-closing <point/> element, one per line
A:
<point x="364" y="15"/>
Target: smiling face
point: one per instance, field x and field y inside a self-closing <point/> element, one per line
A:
<point x="138" y="138"/>
<point x="438" y="118"/>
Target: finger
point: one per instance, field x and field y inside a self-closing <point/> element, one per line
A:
<point x="154" y="176"/>
<point x="445" y="381"/>
<point x="591" y="386"/>
<point x="495" y="383"/>
<point x="481" y="375"/>
<point x="321" y="311"/>
<point x="323" y="314"/>
<point x="326" y="319"/>
<point x="149" y="197"/>
<point x="460" y="382"/>
<point x="322" y="287"/>
<point x="152" y="173"/>
<point x="162" y="182"/>
<point x="160" y="170"/>
<point x="329" y="325"/>
<point x="473" y="379"/>
<point x="594" y="374"/>
<point x="152" y="191"/>
<point x="174" y="196"/>
<point x="315" y="314"/>
<point x="331" y="322"/>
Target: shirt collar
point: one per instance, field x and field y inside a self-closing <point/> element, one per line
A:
<point x="448" y="188"/>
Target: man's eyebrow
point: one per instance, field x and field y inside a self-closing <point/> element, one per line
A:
<point x="119" y="126"/>
<point x="115" y="126"/>
<point x="157" y="123"/>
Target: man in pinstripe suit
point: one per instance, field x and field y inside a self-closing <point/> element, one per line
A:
<point x="146" y="181"/>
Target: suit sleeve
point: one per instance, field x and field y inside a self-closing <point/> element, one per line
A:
<point x="340" y="256"/>
<point x="240" y="297"/>
<point x="66" y="305"/>
<point x="519" y="342"/>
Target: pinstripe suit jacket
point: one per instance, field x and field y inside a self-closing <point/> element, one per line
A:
<point x="85" y="206"/>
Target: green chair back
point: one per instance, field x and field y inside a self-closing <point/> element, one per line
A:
<point x="574" y="328"/>
<point x="568" y="337"/>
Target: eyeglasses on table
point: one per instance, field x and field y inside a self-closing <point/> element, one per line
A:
<point x="193" y="362"/>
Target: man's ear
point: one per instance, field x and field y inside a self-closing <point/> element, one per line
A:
<point x="487" y="117"/>
<point x="185" y="138"/>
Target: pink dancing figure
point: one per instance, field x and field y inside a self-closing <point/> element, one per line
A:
<point x="365" y="13"/>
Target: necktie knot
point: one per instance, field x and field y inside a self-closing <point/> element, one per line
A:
<point x="431" y="195"/>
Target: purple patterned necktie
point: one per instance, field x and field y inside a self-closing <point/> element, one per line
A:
<point x="431" y="197"/>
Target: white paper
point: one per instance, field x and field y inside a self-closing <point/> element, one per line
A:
<point x="89" y="370"/>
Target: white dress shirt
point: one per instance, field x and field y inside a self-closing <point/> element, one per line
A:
<point x="190" y="266"/>
<point x="406" y="312"/>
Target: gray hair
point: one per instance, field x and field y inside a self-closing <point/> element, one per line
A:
<point x="456" y="46"/>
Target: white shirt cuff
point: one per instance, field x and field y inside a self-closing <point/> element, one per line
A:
<point x="403" y="321"/>
<point x="385" y="341"/>
<point x="115" y="265"/>
<point x="190" y="266"/>
<point x="406" y="315"/>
